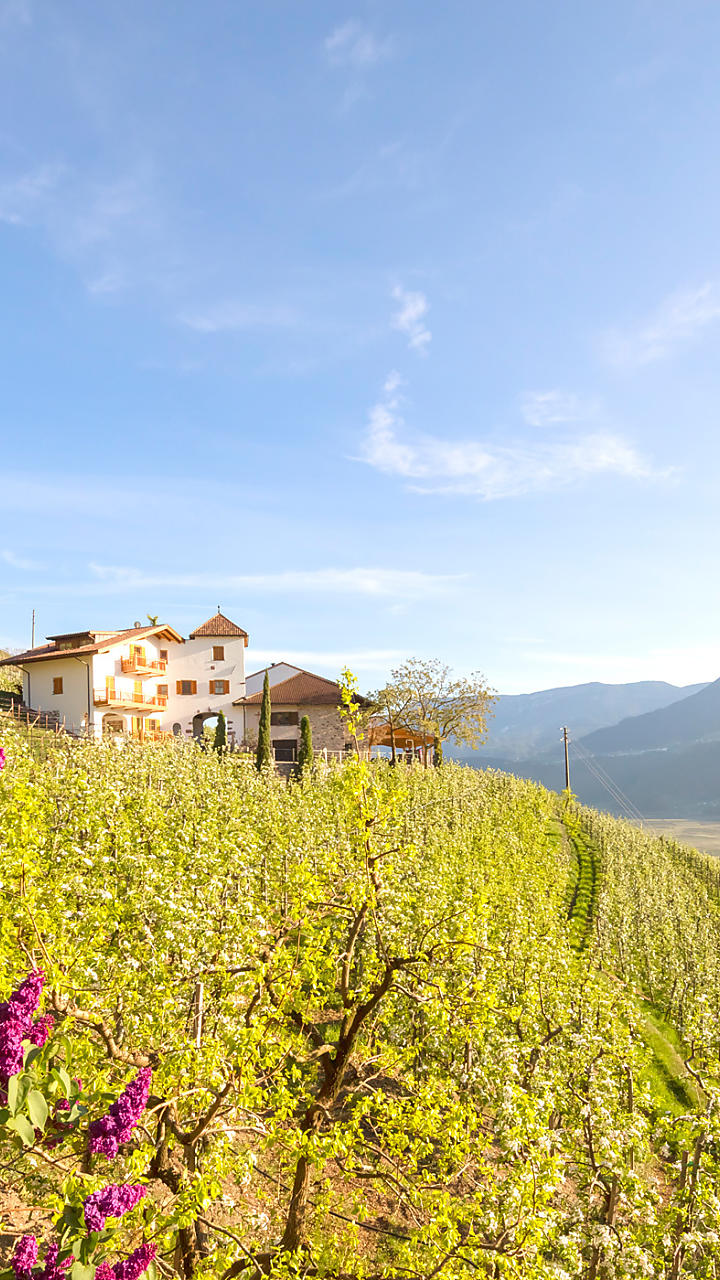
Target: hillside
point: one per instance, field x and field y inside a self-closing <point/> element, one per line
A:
<point x="528" y="724"/>
<point x="693" y="719"/>
<point x="398" y="1022"/>
<point x="680" y="782"/>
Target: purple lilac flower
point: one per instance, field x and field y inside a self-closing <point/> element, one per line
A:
<point x="134" y="1266"/>
<point x="111" y="1202"/>
<point x="104" y="1272"/>
<point x="2" y="759"/>
<point x="16" y="1016"/>
<point x="40" y="1030"/>
<point x="54" y="1270"/>
<point x="24" y="1257"/>
<point x="23" y="1002"/>
<point x="108" y="1134"/>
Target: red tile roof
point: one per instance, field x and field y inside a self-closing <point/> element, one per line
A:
<point x="299" y="690"/>
<point x="218" y="625"/>
<point x="106" y="641"/>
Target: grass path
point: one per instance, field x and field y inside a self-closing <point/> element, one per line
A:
<point x="669" y="1079"/>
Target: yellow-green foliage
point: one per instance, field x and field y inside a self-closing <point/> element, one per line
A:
<point x="494" y="1116"/>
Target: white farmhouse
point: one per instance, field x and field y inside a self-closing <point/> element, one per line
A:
<point x="142" y="681"/>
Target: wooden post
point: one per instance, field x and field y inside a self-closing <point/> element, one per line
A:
<point x="567" y="758"/>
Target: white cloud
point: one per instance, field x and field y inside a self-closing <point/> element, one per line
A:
<point x="549" y="408"/>
<point x="485" y="469"/>
<point x="410" y="318"/>
<point x="680" y="317"/>
<point x="353" y="45"/>
<point x="19" y="562"/>
<point x="409" y="583"/>
<point x="227" y="316"/>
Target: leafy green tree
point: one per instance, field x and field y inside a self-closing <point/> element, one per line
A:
<point x="390" y="705"/>
<point x="305" y="754"/>
<point x="10" y="677"/>
<point x="263" y="755"/>
<point x="220" y="741"/>
<point x="432" y="704"/>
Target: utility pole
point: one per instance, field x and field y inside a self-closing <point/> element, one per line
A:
<point x="32" y="643"/>
<point x="567" y="758"/>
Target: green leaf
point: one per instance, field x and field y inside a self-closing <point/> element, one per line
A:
<point x="79" y="1271"/>
<point x="37" y="1108"/>
<point x="17" y="1092"/>
<point x="22" y="1126"/>
<point x="65" y="1081"/>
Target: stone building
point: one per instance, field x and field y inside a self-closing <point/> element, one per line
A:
<point x="302" y="694"/>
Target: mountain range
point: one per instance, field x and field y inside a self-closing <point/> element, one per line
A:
<point x="529" y="723"/>
<point x="649" y="746"/>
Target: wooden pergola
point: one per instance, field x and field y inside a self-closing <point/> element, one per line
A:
<point x="381" y="734"/>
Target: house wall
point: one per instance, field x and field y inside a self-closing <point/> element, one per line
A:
<point x="109" y="664"/>
<point x="328" y="728"/>
<point x="72" y="704"/>
<point x="193" y="660"/>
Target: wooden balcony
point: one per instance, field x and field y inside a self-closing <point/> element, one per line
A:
<point x="132" y="701"/>
<point x="142" y="667"/>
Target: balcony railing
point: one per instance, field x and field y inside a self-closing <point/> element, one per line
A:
<point x="139" y="666"/>
<point x="119" y="698"/>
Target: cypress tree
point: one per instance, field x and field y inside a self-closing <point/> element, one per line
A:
<point x="305" y="754"/>
<point x="220" y="740"/>
<point x="263" y="755"/>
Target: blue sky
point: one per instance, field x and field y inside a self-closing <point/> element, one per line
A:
<point x="391" y="327"/>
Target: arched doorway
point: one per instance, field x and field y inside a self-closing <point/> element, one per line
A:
<point x="112" y="723"/>
<point x="204" y="725"/>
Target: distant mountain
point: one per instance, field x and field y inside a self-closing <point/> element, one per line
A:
<point x="693" y="719"/>
<point x="528" y="724"/>
<point x="677" y="782"/>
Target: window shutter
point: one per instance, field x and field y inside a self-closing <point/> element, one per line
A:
<point x="226" y="686"/>
<point x="178" y="686"/>
<point x="193" y="686"/>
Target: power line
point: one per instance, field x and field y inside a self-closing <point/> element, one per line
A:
<point x="592" y="764"/>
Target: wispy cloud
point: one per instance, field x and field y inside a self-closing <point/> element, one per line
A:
<point x="380" y="582"/>
<point x="410" y="318"/>
<point x="552" y="408"/>
<point x="680" y="317"/>
<point x="25" y="197"/>
<point x="231" y="315"/>
<point x="354" y="45"/>
<point x="105" y="226"/>
<point x="20" y="562"/>
<point x="485" y="469"/>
